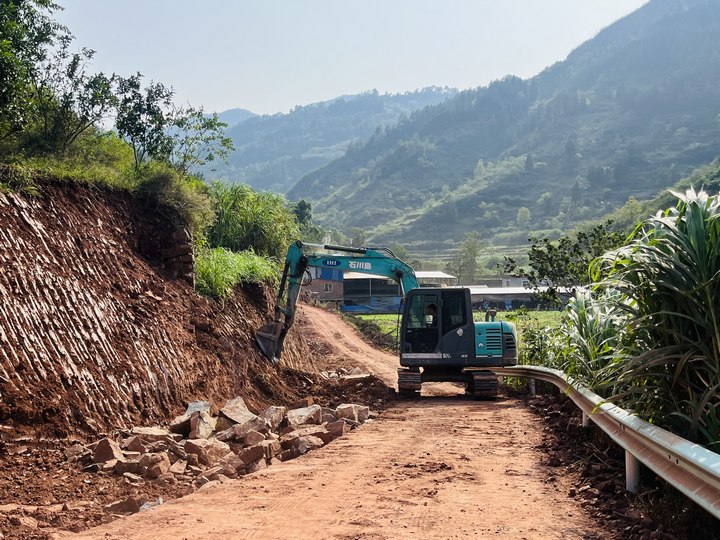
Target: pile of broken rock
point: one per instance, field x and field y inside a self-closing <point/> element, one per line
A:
<point x="198" y="449"/>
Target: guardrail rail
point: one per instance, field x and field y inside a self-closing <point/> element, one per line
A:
<point x="689" y="467"/>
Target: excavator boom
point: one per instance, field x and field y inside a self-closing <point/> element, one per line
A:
<point x="300" y="257"/>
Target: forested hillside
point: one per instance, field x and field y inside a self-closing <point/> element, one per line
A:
<point x="273" y="152"/>
<point x="628" y="113"/>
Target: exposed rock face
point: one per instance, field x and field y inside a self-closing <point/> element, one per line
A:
<point x="98" y="332"/>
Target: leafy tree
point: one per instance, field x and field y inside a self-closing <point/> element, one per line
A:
<point x="303" y="211"/>
<point x="68" y="99"/>
<point x="337" y="238"/>
<point x="26" y="33"/>
<point x="359" y="237"/>
<point x="309" y="232"/>
<point x="464" y="263"/>
<point x="529" y="165"/>
<point x="523" y="217"/>
<point x="564" y="263"/>
<point x="143" y="118"/>
<point x="197" y="139"/>
<point x="400" y="252"/>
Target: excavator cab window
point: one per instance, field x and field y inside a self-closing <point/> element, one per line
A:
<point x="454" y="311"/>
<point x="422" y="314"/>
<point x="422" y="307"/>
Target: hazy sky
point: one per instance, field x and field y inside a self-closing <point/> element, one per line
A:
<point x="270" y="55"/>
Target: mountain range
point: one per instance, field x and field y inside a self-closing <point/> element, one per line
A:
<point x="272" y="152"/>
<point x="627" y="114"/>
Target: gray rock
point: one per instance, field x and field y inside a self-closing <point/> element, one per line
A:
<point x="305" y="415"/>
<point x="274" y="416"/>
<point x="353" y="411"/>
<point x="236" y="411"/>
<point x="202" y="425"/>
<point x="198" y="406"/>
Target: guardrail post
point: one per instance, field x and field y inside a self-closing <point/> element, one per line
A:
<point x="585" y="420"/>
<point x="632" y="472"/>
<point x="532" y="386"/>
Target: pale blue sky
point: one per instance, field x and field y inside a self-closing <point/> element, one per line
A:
<point x="270" y="55"/>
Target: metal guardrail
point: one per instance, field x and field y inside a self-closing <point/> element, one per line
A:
<point x="690" y="468"/>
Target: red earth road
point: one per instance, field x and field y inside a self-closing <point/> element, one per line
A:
<point x="442" y="466"/>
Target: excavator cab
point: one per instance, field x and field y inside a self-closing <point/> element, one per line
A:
<point x="437" y="328"/>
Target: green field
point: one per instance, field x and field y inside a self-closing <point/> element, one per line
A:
<point x="522" y="318"/>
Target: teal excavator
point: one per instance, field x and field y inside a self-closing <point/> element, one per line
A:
<point x="439" y="340"/>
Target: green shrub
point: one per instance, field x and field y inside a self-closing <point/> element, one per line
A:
<point x="188" y="195"/>
<point x="219" y="270"/>
<point x="17" y="178"/>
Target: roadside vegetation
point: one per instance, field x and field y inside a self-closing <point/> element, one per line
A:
<point x="61" y="121"/>
<point x="646" y="334"/>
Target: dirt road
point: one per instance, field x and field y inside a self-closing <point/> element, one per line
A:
<point x="436" y="467"/>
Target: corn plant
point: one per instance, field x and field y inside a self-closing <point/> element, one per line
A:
<point x="669" y="279"/>
<point x="590" y="343"/>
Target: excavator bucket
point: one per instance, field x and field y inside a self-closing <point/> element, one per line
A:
<point x="269" y="338"/>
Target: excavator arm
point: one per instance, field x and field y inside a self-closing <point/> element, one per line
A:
<point x="300" y="257"/>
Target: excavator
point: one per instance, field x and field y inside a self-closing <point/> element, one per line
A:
<point x="439" y="340"/>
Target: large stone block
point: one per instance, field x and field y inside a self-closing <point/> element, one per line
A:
<point x="337" y="428"/>
<point x="106" y="450"/>
<point x="274" y="416"/>
<point x="305" y="415"/>
<point x="353" y="411"/>
<point x="236" y="411"/>
<point x="202" y="425"/>
<point x="123" y="466"/>
<point x="253" y="437"/>
<point x="159" y="467"/>
<point x="288" y="440"/>
<point x="152" y="434"/>
<point x="208" y="451"/>
<point x="308" y="442"/>
<point x="252" y="453"/>
<point x="238" y="431"/>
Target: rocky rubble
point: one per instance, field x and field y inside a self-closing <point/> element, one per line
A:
<point x="198" y="449"/>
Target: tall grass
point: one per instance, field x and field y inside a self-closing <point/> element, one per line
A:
<point x="248" y="219"/>
<point x="669" y="279"/>
<point x="219" y="270"/>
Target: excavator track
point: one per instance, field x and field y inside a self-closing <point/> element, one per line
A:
<point x="409" y="382"/>
<point x="482" y="384"/>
